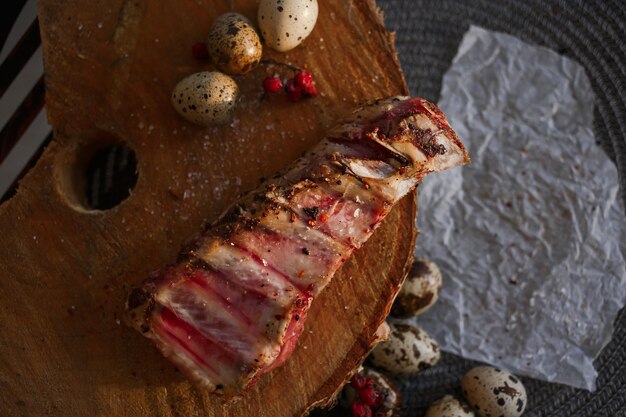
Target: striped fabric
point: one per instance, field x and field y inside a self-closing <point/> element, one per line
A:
<point x="24" y="131"/>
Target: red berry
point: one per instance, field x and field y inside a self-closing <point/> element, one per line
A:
<point x="380" y="398"/>
<point x="290" y="85"/>
<point x="361" y="410"/>
<point x="359" y="381"/>
<point x="295" y="95"/>
<point x="310" y="90"/>
<point x="199" y="51"/>
<point x="303" y="78"/>
<point x="294" y="92"/>
<point x="272" y="84"/>
<point x="368" y="395"/>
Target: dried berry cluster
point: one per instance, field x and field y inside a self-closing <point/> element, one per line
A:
<point x="299" y="87"/>
<point x="369" y="398"/>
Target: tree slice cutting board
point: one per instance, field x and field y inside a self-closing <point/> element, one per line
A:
<point x="65" y="269"/>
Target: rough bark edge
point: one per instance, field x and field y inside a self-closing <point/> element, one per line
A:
<point x="326" y="396"/>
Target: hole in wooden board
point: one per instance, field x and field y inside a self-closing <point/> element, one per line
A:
<point x="111" y="176"/>
<point x="97" y="173"/>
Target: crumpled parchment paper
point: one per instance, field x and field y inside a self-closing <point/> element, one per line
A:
<point x="531" y="237"/>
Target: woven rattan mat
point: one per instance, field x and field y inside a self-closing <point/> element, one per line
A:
<point x="593" y="33"/>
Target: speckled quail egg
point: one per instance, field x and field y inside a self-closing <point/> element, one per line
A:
<point x="206" y="98"/>
<point x="420" y="290"/>
<point x="494" y="392"/>
<point x="449" y="406"/>
<point x="408" y="350"/>
<point x="285" y="24"/>
<point x="233" y="44"/>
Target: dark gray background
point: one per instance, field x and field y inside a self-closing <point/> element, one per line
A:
<point x="593" y="33"/>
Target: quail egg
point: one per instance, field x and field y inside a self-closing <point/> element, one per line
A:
<point x="206" y="98"/>
<point x="408" y="350"/>
<point x="420" y="290"/>
<point x="449" y="406"/>
<point x="285" y="24"/>
<point x="233" y="44"/>
<point x="494" y="392"/>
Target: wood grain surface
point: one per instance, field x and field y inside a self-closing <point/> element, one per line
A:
<point x="65" y="270"/>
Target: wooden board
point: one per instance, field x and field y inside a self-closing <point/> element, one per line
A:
<point x="65" y="270"/>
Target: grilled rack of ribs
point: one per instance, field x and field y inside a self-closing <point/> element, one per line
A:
<point x="234" y="304"/>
